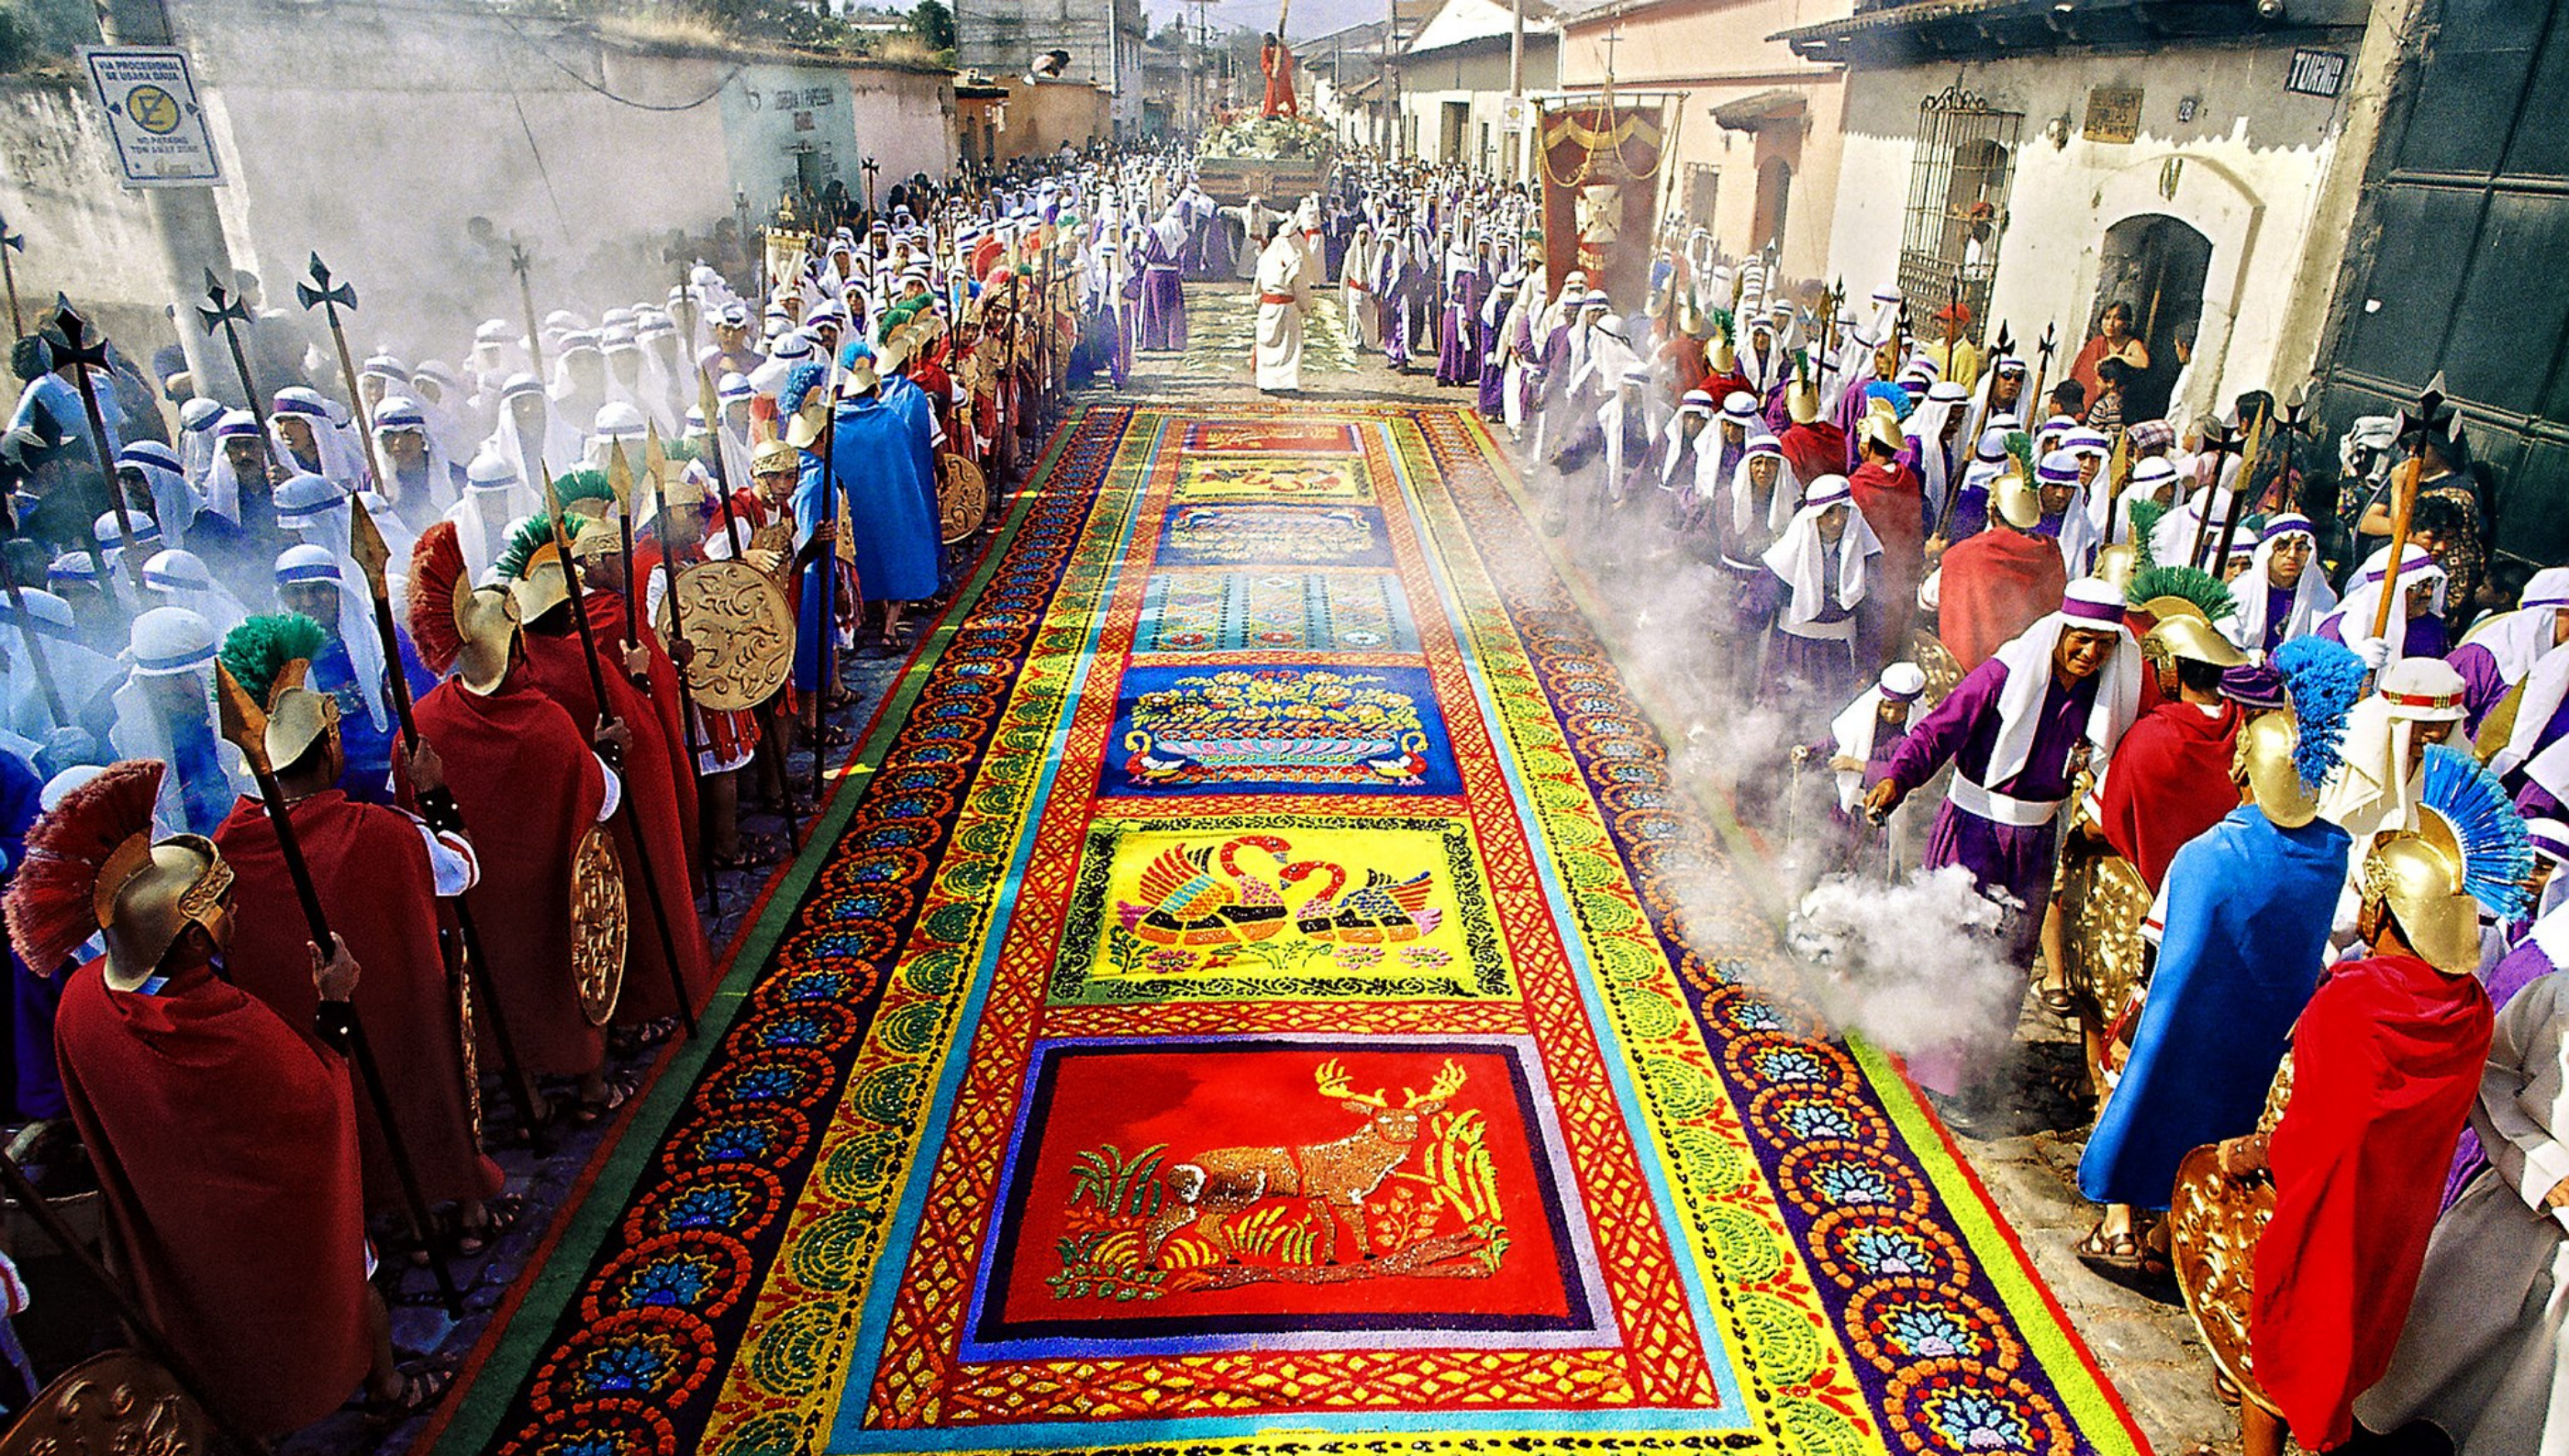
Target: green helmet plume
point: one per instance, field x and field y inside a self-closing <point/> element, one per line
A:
<point x="2190" y="582"/>
<point x="526" y="538"/>
<point x="258" y="649"/>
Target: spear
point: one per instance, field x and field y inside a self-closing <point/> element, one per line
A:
<point x="656" y="466"/>
<point x="2227" y="443"/>
<point x="76" y="350"/>
<point x="2043" y="351"/>
<point x="825" y="570"/>
<point x="26" y="623"/>
<point x="12" y="243"/>
<point x="227" y="314"/>
<point x="523" y="264"/>
<point x="2431" y="418"/>
<point x="319" y="294"/>
<point x="438" y="807"/>
<point x="607" y="715"/>
<point x="245" y="726"/>
<point x="2239" y="496"/>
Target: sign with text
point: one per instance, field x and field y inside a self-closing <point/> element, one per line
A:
<point x="2113" y="114"/>
<point x="2315" y="73"/>
<point x="153" y="115"/>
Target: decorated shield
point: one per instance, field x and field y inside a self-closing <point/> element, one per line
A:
<point x="598" y="923"/>
<point x="743" y="631"/>
<point x="1933" y="660"/>
<point x="962" y="497"/>
<point x="2104" y="897"/>
<point x="2214" y="1223"/>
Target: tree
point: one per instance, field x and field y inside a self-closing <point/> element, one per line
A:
<point x="934" y="24"/>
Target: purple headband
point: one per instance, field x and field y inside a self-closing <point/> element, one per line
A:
<point x="2286" y="524"/>
<point x="2252" y="685"/>
<point x="2550" y="844"/>
<point x="2092" y="611"/>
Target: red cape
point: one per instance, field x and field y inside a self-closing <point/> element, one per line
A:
<point x="1722" y="386"/>
<point x="1814" y="449"/>
<point x="525" y="778"/>
<point x="1893" y="504"/>
<point x="371" y="870"/>
<point x="607" y="613"/>
<point x="1995" y="585"/>
<point x="2170" y="780"/>
<point x="226" y="1151"/>
<point x="559" y="666"/>
<point x="2385" y="1064"/>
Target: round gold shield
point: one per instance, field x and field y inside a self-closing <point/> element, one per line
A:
<point x="963" y="499"/>
<point x="598" y="923"/>
<point x="743" y="633"/>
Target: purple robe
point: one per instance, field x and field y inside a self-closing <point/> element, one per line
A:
<point x="2425" y="636"/>
<point x="1163" y="296"/>
<point x="2521" y="967"/>
<point x="2483" y="687"/>
<point x="2005" y="859"/>
<point x="1458" y="344"/>
<point x="1805" y="672"/>
<point x="1493" y="397"/>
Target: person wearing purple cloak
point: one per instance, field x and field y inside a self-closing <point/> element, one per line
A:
<point x="1458" y="343"/>
<point x="2417" y="627"/>
<point x="1400" y="278"/>
<point x="2537" y="953"/>
<point x="1164" y="294"/>
<point x="2500" y="651"/>
<point x="2017" y="729"/>
<point x="1863" y="739"/>
<point x="1809" y="586"/>
<point x="1492" y="400"/>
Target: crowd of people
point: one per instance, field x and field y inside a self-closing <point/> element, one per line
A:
<point x="328" y="725"/>
<point x="2259" y="745"/>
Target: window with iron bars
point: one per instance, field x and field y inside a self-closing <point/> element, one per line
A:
<point x="1959" y="178"/>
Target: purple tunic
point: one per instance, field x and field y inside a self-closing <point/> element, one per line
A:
<point x="1163" y="296"/>
<point x="2005" y="859"/>
<point x="1458" y="344"/>
<point x="2519" y="968"/>
<point x="1492" y="401"/>
<point x="1809" y="672"/>
<point x="2016" y="860"/>
<point x="2483" y="688"/>
<point x="2425" y="636"/>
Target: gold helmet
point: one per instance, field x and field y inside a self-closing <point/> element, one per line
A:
<point x="803" y="428"/>
<point x="1802" y="400"/>
<point x="540" y="586"/>
<point x="297" y="717"/>
<point x="91" y="866"/>
<point x="2186" y="635"/>
<point x="1724" y="358"/>
<point x="2265" y="761"/>
<point x="486" y="620"/>
<point x="773" y="455"/>
<point x="2418" y="875"/>
<point x="595" y="538"/>
<point x="2014" y="499"/>
<point x="1882" y="427"/>
<point x="2117" y="564"/>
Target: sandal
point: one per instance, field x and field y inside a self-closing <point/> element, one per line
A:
<point x="2117" y="1255"/>
<point x="498" y="1216"/>
<point x="620" y="1090"/>
<point x="2056" y="1000"/>
<point x="754" y="851"/>
<point x="422" y="1388"/>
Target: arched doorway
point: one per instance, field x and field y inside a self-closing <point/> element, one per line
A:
<point x="1775" y="194"/>
<point x="2157" y="264"/>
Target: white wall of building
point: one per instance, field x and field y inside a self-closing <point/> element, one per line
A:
<point x="2246" y="171"/>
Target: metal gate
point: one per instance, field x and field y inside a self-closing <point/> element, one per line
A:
<point x="2457" y="254"/>
<point x="1959" y="178"/>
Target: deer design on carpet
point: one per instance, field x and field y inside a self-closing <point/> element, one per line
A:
<point x="1221" y="1182"/>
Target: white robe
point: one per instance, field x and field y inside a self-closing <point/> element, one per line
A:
<point x="1283" y="272"/>
<point x="2480" y="1355"/>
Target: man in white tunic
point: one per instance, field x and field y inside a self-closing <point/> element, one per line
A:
<point x="1284" y="294"/>
<point x="2481" y="1355"/>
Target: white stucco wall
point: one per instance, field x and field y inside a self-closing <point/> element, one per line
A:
<point x="2246" y="173"/>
